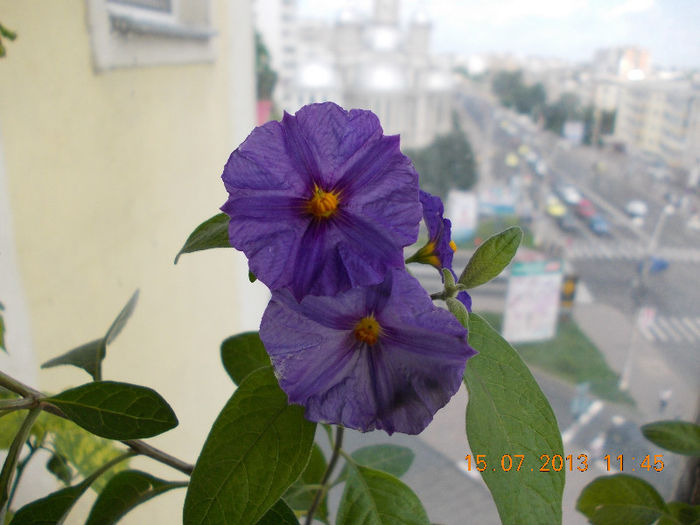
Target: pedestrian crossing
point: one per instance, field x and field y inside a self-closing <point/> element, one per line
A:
<point x="672" y="330"/>
<point x="627" y="250"/>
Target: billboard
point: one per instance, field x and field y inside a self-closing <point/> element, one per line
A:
<point x="532" y="301"/>
<point x="462" y="209"/>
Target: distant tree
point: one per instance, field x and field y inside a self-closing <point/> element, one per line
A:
<point x="266" y="78"/>
<point x="607" y="122"/>
<point x="448" y="162"/>
<point x="568" y="107"/>
<point x="513" y="92"/>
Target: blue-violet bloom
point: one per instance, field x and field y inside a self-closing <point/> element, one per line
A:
<point x="440" y="248"/>
<point x="322" y="201"/>
<point x="376" y="357"/>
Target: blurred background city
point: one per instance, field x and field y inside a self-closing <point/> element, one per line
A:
<point x="577" y="120"/>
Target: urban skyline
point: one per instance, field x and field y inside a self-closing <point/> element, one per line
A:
<point x="545" y="27"/>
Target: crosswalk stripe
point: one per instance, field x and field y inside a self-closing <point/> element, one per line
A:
<point x="681" y="328"/>
<point x="691" y="326"/>
<point x="664" y="325"/>
<point x="644" y="330"/>
<point x="657" y="333"/>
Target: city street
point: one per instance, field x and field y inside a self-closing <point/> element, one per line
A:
<point x="663" y="354"/>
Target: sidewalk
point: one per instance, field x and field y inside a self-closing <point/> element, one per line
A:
<point x="650" y="372"/>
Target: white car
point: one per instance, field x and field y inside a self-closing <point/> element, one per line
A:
<point x="636" y="208"/>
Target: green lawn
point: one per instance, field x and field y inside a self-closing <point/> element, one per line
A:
<point x="571" y="356"/>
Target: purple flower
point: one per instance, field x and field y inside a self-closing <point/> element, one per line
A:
<point x="376" y="357"/>
<point x="440" y="248"/>
<point x="322" y="201"/>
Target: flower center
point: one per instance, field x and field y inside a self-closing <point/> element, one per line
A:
<point x="453" y="246"/>
<point x="323" y="204"/>
<point x="367" y="330"/>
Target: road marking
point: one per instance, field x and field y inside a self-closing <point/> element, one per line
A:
<point x="644" y="330"/>
<point x="662" y="323"/>
<point x="657" y="334"/>
<point x="686" y="321"/>
<point x="593" y="410"/>
<point x="682" y="329"/>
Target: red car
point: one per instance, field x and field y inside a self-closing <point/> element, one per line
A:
<point x="585" y="209"/>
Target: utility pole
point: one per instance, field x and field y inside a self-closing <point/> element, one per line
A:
<point x="638" y="288"/>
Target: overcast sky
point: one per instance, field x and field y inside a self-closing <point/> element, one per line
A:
<point x="571" y="29"/>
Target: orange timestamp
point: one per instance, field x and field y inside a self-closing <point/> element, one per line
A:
<point x="557" y="463"/>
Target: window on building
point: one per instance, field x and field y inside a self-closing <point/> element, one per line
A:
<point x="130" y="33"/>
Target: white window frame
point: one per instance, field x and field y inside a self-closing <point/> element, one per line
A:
<point x="128" y="35"/>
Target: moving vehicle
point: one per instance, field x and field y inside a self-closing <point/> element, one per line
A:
<point x="554" y="207"/>
<point x="569" y="194"/>
<point x="636" y="208"/>
<point x="567" y="223"/>
<point x="585" y="209"/>
<point x="599" y="225"/>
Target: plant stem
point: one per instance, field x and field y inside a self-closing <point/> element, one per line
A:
<point x="135" y="445"/>
<point x="326" y="475"/>
<point x="20" y="469"/>
<point x="9" y="405"/>
<point x="144" y="449"/>
<point x="8" y="468"/>
<point x="104" y="468"/>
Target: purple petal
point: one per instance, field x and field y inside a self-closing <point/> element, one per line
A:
<point x="261" y="162"/>
<point x="272" y="176"/>
<point x="466" y="299"/>
<point x="334" y="135"/>
<point x="396" y="384"/>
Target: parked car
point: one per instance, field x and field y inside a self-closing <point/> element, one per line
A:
<point x="599" y="225"/>
<point x="585" y="209"/>
<point x="636" y="208"/>
<point x="554" y="207"/>
<point x="567" y="223"/>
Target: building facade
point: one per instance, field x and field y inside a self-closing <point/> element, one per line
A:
<point x="115" y="123"/>
<point x="660" y="118"/>
<point x="370" y="62"/>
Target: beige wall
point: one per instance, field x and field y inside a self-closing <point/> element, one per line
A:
<point x="106" y="175"/>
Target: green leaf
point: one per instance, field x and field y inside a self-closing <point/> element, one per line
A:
<point x="212" y="233"/>
<point x="684" y="513"/>
<point x="88" y="357"/>
<point x="84" y="451"/>
<point x="621" y="499"/>
<point x="377" y="498"/>
<point x="299" y="497"/>
<point x="393" y="459"/>
<point x="677" y="436"/>
<point x="279" y="514"/>
<point x="59" y="467"/>
<point x="251" y="277"/>
<point x="243" y="353"/>
<point x="2" y="329"/>
<point x="125" y="491"/>
<point x="116" y="410"/>
<point x="507" y="413"/>
<point x="51" y="509"/>
<point x="458" y="310"/>
<point x="491" y="257"/>
<point x="121" y="319"/>
<point x="258" y="446"/>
